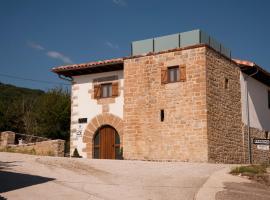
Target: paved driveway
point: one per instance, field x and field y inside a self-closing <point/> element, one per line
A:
<point x="35" y="177"/>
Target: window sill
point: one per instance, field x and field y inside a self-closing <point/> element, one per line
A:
<point x="172" y="82"/>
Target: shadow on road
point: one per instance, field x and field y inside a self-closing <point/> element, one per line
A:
<point x="13" y="181"/>
<point x="244" y="191"/>
<point x="6" y="165"/>
<point x="2" y="198"/>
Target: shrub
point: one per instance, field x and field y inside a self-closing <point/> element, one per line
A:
<point x="76" y="154"/>
<point x="249" y="170"/>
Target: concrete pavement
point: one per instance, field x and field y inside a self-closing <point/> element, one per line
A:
<point x="35" y="177"/>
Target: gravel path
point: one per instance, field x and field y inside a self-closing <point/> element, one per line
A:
<point x="35" y="177"/>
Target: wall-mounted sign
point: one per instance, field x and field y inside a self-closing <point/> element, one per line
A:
<point x="79" y="131"/>
<point x="82" y="120"/>
<point x="261" y="141"/>
<point x="263" y="147"/>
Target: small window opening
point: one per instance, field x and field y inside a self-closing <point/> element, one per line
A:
<point x="266" y="134"/>
<point x="162" y="115"/>
<point x="226" y="85"/>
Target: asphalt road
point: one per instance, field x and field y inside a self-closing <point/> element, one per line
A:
<point x="35" y="177"/>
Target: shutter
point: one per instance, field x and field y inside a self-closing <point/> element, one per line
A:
<point x="182" y="71"/>
<point x="97" y="92"/>
<point x="115" y="89"/>
<point x="164" y="76"/>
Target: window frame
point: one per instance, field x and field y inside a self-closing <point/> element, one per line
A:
<point x="176" y="74"/>
<point x="108" y="90"/>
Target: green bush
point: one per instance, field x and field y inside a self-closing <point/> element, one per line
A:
<point x="249" y="169"/>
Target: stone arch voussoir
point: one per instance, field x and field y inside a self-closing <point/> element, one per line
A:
<point x="97" y="122"/>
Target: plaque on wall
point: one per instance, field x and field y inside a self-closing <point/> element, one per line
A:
<point x="82" y="120"/>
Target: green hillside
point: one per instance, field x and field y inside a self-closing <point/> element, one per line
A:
<point x="10" y="92"/>
<point x="35" y="112"/>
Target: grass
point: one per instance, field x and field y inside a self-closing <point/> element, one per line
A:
<point x="250" y="169"/>
<point x="254" y="172"/>
<point x="31" y="151"/>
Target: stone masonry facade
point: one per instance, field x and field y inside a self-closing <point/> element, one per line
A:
<point x="183" y="133"/>
<point x="224" y="119"/>
<point x="202" y="113"/>
<point x="202" y="121"/>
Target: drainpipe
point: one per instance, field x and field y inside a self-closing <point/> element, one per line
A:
<point x="248" y="117"/>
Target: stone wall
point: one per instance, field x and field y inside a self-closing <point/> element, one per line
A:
<point x="49" y="147"/>
<point x="46" y="148"/>
<point x="183" y="133"/>
<point x="258" y="156"/>
<point x="95" y="124"/>
<point x="225" y="137"/>
<point x="7" y="138"/>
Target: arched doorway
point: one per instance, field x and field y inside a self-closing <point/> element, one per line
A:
<point x="107" y="143"/>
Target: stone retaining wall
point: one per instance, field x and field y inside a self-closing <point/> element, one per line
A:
<point x="46" y="148"/>
<point x="7" y="138"/>
<point x="49" y="147"/>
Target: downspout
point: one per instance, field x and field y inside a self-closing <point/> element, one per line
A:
<point x="248" y="117"/>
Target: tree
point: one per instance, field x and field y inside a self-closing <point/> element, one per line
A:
<point x="52" y="113"/>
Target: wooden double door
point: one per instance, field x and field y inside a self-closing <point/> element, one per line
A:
<point x="107" y="143"/>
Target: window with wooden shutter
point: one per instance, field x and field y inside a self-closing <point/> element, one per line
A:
<point x="97" y="92"/>
<point x="115" y="89"/>
<point x="182" y="71"/>
<point x="164" y="76"/>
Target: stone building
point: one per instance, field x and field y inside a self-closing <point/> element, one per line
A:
<point x="176" y="98"/>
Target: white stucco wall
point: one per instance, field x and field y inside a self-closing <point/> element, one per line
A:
<point x="258" y="103"/>
<point x="85" y="107"/>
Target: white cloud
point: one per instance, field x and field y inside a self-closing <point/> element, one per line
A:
<point x="120" y="2"/>
<point x="59" y="56"/>
<point x="111" y="45"/>
<point x="51" y="54"/>
<point x="36" y="46"/>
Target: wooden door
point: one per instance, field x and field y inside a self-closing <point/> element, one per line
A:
<point x="107" y="143"/>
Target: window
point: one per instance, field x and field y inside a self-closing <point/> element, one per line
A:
<point x="106" y="90"/>
<point x="162" y="115"/>
<point x="226" y="83"/>
<point x="173" y="74"/>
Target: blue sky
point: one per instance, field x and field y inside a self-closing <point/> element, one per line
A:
<point x="36" y="35"/>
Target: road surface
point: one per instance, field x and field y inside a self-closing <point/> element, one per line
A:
<point x="36" y="177"/>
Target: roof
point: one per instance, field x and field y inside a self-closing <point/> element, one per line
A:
<point x="90" y="67"/>
<point x="110" y="64"/>
<point x="247" y="67"/>
<point x="254" y="70"/>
